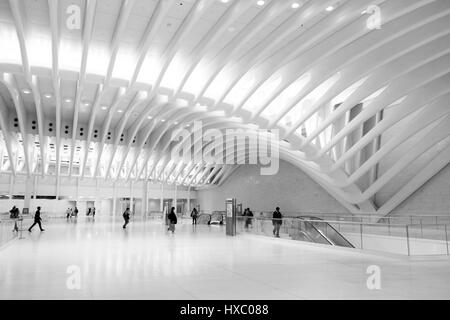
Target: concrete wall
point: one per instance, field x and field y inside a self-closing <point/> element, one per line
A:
<point x="290" y="189"/>
<point x="433" y="198"/>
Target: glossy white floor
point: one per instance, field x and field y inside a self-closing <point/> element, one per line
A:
<point x="144" y="262"/>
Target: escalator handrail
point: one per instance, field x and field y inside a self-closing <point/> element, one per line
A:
<point x="329" y="225"/>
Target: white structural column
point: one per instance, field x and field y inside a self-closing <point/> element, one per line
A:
<point x="189" y="201"/>
<point x="175" y="198"/>
<point x="114" y="201"/>
<point x="132" y="196"/>
<point x="161" y="205"/>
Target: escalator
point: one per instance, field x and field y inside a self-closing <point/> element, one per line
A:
<point x="313" y="229"/>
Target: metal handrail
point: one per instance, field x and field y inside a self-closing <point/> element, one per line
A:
<point x="406" y="227"/>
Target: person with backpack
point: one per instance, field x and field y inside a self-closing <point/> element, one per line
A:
<point x="37" y="220"/>
<point x="194" y="215"/>
<point x="126" y="217"/>
<point x="172" y="220"/>
<point x="277" y="222"/>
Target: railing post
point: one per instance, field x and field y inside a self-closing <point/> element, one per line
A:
<point x="407" y="240"/>
<point x="411" y="217"/>
<point x="446" y="239"/>
<point x="361" y="231"/>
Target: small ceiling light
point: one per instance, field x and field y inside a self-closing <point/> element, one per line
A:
<point x="260" y="2"/>
<point x="176" y="122"/>
<point x="68" y="100"/>
<point x="104" y="107"/>
<point x="119" y="111"/>
<point x="48" y="95"/>
<point x="26" y="91"/>
<point x="295" y="5"/>
<point x="149" y="117"/>
<point x="224" y="1"/>
<point x="330" y="8"/>
<point x="163" y="120"/>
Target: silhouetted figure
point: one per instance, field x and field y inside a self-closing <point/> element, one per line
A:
<point x="76" y="212"/>
<point x="68" y="213"/>
<point x="14" y="212"/>
<point x="194" y="215"/>
<point x="89" y="212"/>
<point x="277" y="222"/>
<point x="37" y="220"/>
<point x="248" y="221"/>
<point x="126" y="217"/>
<point x="93" y="212"/>
<point x="172" y="220"/>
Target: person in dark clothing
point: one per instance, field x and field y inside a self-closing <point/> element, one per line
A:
<point x="172" y="220"/>
<point x="76" y="212"/>
<point x="37" y="219"/>
<point x="14" y="212"/>
<point x="248" y="221"/>
<point x="89" y="212"/>
<point x="93" y="212"/>
<point x="277" y="222"/>
<point x="126" y="217"/>
<point x="194" y="215"/>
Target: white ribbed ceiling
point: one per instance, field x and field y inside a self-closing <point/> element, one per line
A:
<point x="102" y="101"/>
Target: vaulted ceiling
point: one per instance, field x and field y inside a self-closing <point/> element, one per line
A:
<point x="96" y="88"/>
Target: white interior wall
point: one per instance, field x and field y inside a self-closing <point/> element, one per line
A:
<point x="99" y="191"/>
<point x="290" y="189"/>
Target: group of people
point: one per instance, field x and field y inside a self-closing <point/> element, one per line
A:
<point x="171" y="217"/>
<point x="72" y="212"/>
<point x="277" y="218"/>
<point x="91" y="211"/>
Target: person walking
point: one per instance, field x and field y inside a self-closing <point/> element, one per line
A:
<point x="76" y="212"/>
<point x="249" y="219"/>
<point x="277" y="222"/>
<point x="172" y="220"/>
<point x="126" y="217"/>
<point x="93" y="212"/>
<point x="194" y="215"/>
<point x="37" y="220"/>
<point x="68" y="213"/>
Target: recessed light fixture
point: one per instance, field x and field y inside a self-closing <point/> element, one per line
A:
<point x="330" y="8"/>
<point x="176" y="122"/>
<point x="26" y="91"/>
<point x="48" y="95"/>
<point x="119" y="111"/>
<point x="163" y="120"/>
<point x="224" y="1"/>
<point x="104" y="107"/>
<point x="68" y="100"/>
<point x="295" y="5"/>
<point x="149" y="117"/>
<point x="260" y="2"/>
